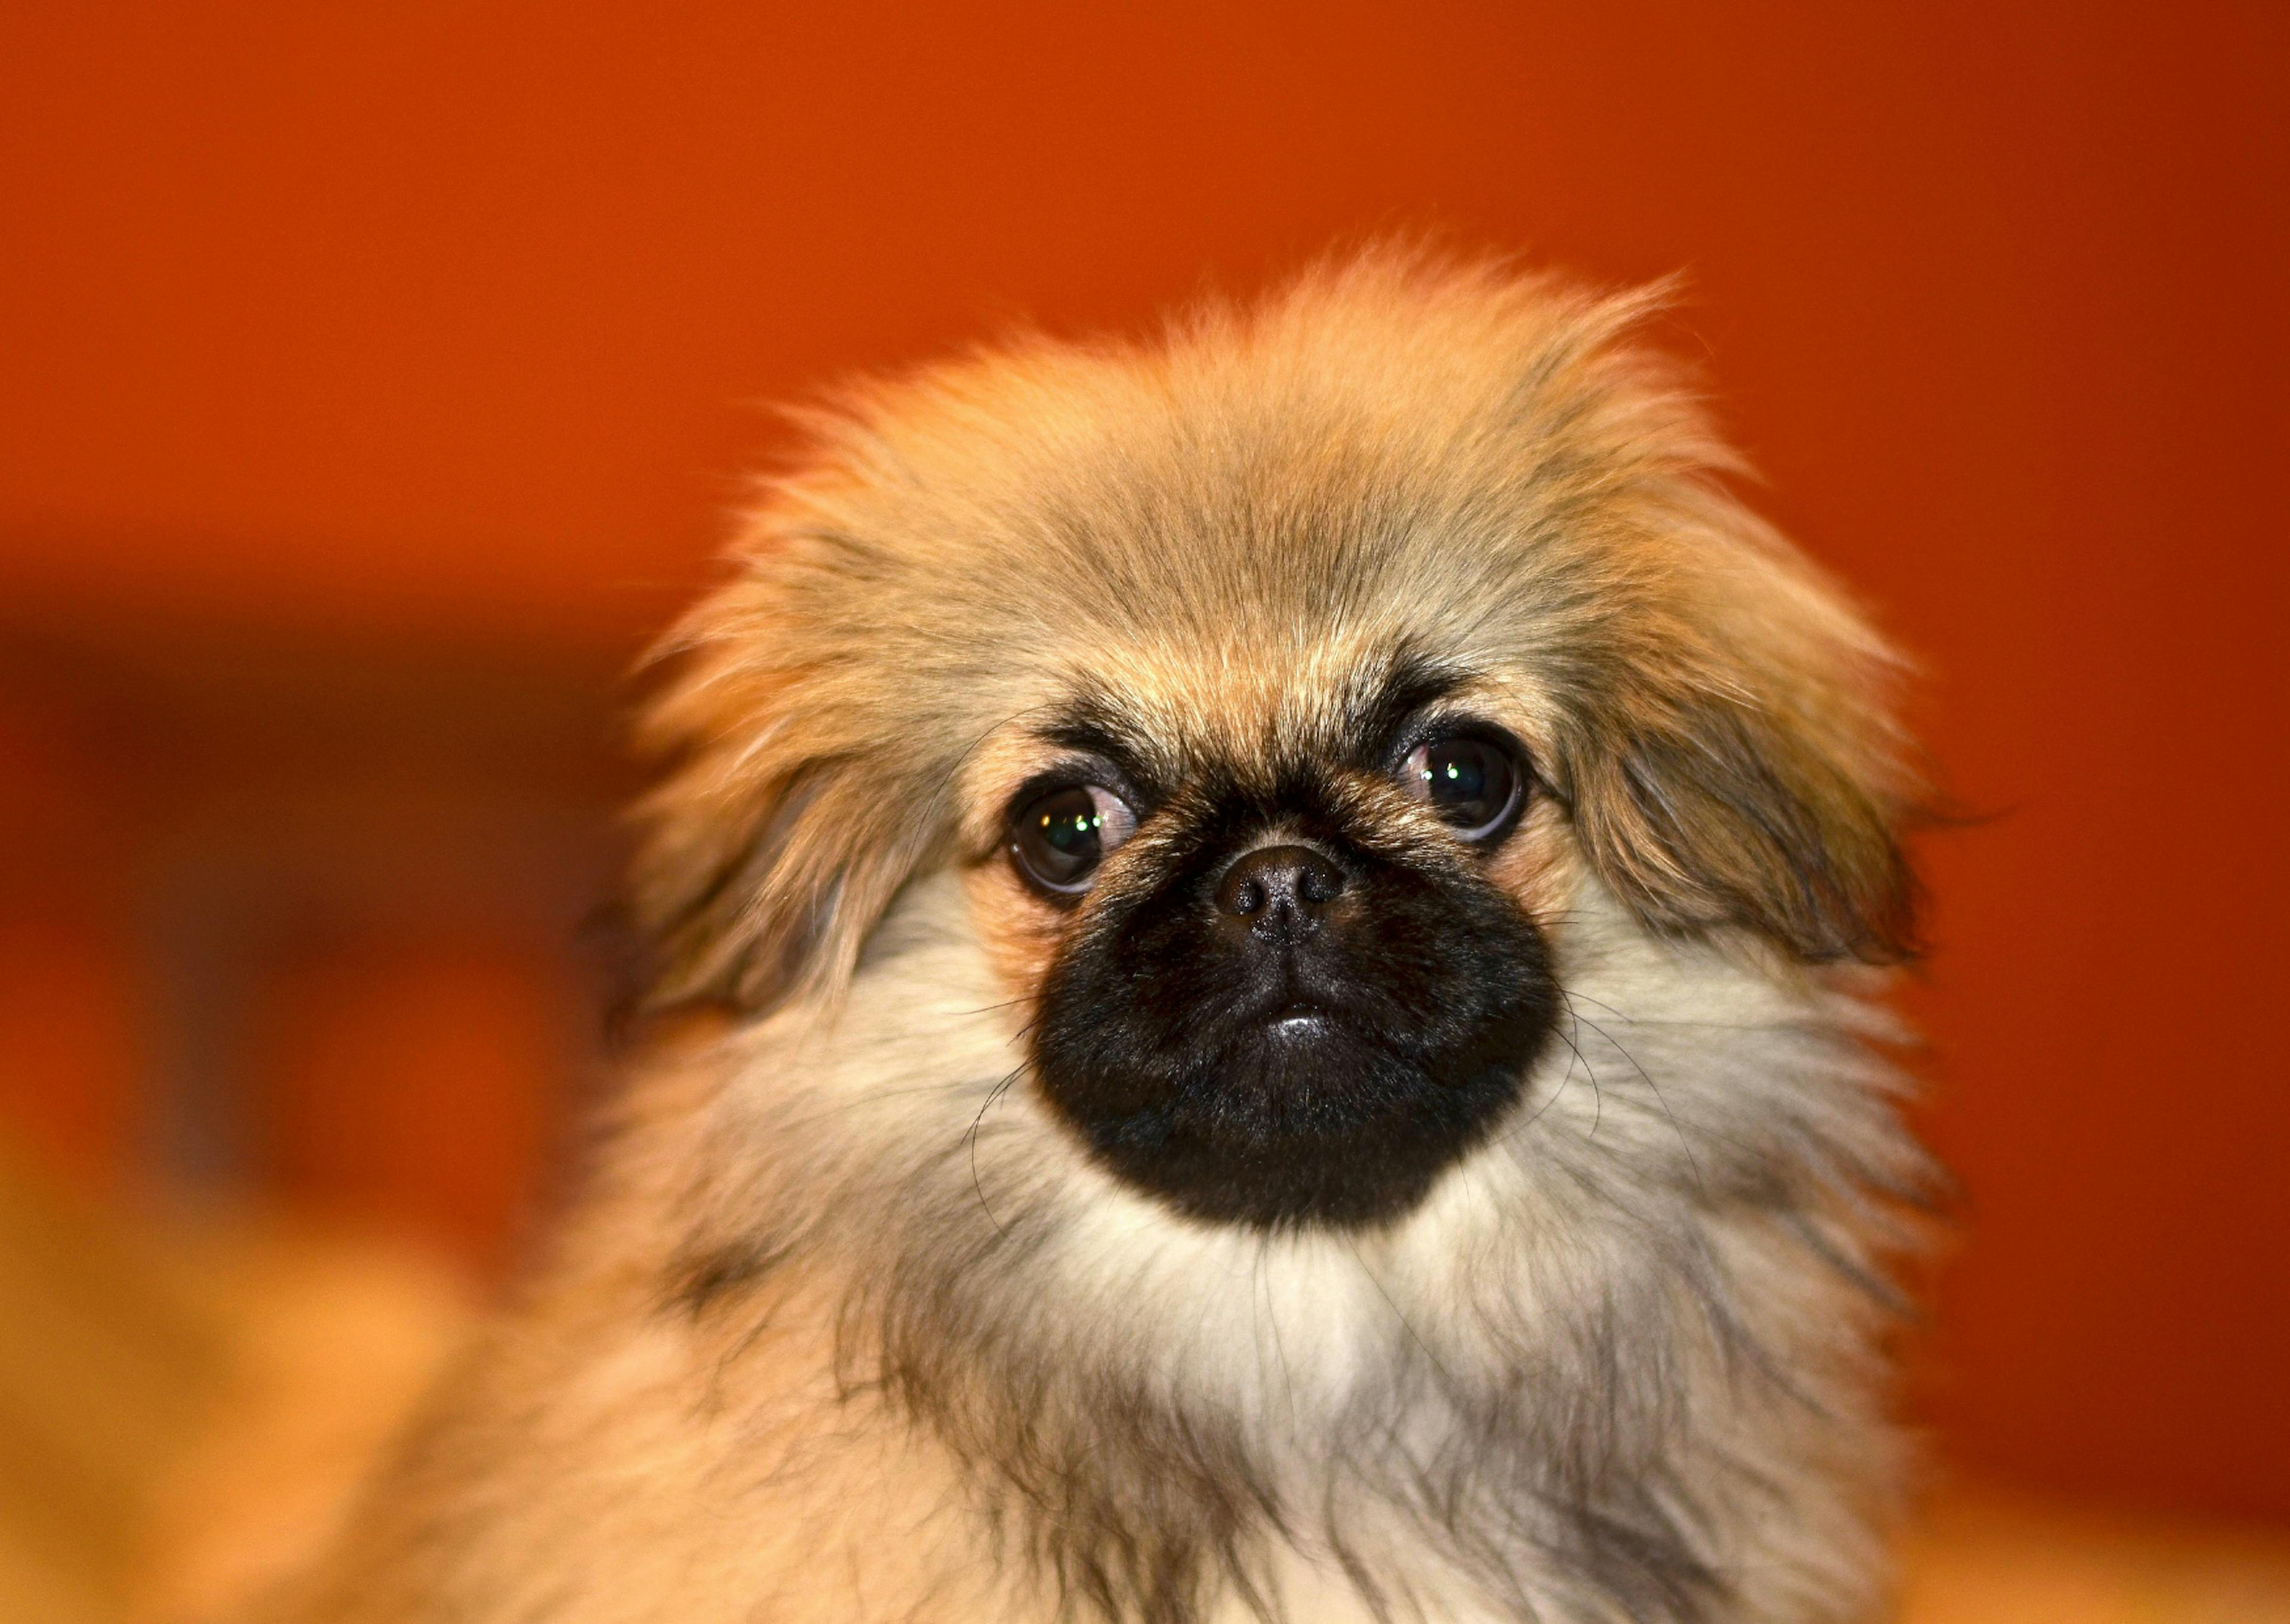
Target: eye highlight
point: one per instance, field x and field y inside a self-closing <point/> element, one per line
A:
<point x="1058" y="838"/>
<point x="1474" y="784"/>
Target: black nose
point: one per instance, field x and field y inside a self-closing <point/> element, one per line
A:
<point x="1278" y="891"/>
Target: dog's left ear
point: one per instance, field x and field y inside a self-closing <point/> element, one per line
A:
<point x="803" y="792"/>
<point x="1743" y="801"/>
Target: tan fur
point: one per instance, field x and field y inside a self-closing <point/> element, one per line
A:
<point x="854" y="1330"/>
<point x="1711" y="711"/>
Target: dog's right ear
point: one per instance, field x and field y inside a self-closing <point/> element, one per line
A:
<point x="799" y="796"/>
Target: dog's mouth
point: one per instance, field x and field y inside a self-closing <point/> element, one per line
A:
<point x="1299" y="1017"/>
<point x="1294" y="1046"/>
<point x="1299" y="1113"/>
<point x="1296" y="1016"/>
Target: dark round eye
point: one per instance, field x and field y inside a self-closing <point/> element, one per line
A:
<point x="1473" y="784"/>
<point x="1058" y="839"/>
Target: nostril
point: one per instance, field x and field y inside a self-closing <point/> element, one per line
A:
<point x="1280" y="879"/>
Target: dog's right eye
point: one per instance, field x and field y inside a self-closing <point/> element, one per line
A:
<point x="1473" y="783"/>
<point x="1058" y="839"/>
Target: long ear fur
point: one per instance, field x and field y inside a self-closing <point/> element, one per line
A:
<point x="1741" y="770"/>
<point x="1717" y="815"/>
<point x="798" y="805"/>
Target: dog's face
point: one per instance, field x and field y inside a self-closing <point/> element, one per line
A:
<point x="1277" y="690"/>
<point x="1277" y="974"/>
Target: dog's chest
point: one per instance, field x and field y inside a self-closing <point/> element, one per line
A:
<point x="1315" y="1593"/>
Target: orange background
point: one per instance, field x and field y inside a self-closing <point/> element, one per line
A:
<point x="376" y="377"/>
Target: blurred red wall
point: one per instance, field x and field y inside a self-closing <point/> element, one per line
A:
<point x="403" y="322"/>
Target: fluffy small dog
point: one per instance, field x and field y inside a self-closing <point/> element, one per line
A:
<point x="1299" y="903"/>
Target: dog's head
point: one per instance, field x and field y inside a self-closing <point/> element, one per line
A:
<point x="1278" y="687"/>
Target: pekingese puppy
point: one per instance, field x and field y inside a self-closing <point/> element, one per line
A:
<point x="1299" y="904"/>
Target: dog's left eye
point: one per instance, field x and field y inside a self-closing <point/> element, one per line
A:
<point x="1474" y="784"/>
<point x="1058" y="839"/>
